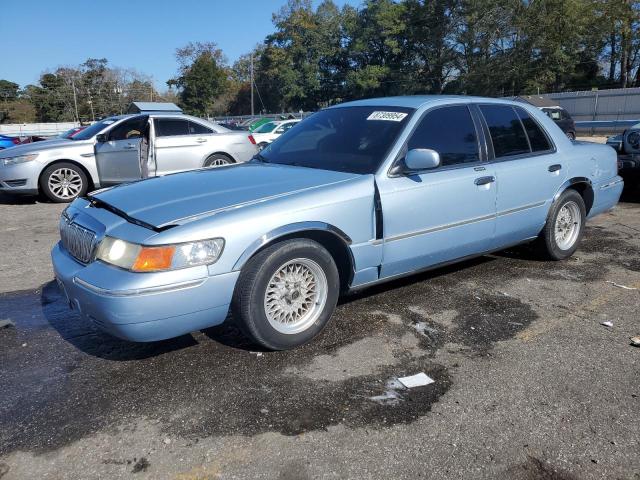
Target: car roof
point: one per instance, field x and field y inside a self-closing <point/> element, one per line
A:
<point x="417" y="101"/>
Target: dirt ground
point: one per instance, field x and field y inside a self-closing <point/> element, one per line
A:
<point x="528" y="383"/>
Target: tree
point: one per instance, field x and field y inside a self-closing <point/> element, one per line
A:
<point x="202" y="77"/>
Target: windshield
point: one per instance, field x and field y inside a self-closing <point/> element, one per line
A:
<point x="94" y="129"/>
<point x="345" y="139"/>
<point x="266" y="128"/>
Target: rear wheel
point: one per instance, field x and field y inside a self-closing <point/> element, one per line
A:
<point x="262" y="145"/>
<point x="286" y="294"/>
<point x="565" y="226"/>
<point x="218" y="160"/>
<point x="63" y="182"/>
<point x="571" y="135"/>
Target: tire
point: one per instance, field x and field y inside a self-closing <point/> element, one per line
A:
<point x="266" y="312"/>
<point x="262" y="145"/>
<point x="63" y="182"/>
<point x="218" y="160"/>
<point x="568" y="214"/>
<point x="571" y="135"/>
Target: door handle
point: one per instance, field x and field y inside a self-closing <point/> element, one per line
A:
<point x="484" y="180"/>
<point x="555" y="168"/>
<point x="201" y="140"/>
<point x="129" y="147"/>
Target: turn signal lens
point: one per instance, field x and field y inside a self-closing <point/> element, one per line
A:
<point x="152" y="259"/>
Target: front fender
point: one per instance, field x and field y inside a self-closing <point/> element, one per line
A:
<point x="284" y="230"/>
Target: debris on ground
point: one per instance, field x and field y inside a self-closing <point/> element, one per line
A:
<point x="390" y="395"/>
<point x="6" y="324"/>
<point x="141" y="465"/>
<point x="607" y="324"/>
<point x="618" y="285"/>
<point x="167" y="441"/>
<point x="418" y="380"/>
<point x="635" y="341"/>
<point x="257" y="354"/>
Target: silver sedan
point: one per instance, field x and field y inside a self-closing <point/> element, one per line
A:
<point x="120" y="149"/>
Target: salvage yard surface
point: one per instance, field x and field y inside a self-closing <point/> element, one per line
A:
<point x="528" y="383"/>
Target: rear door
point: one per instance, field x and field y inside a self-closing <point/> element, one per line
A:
<point x="442" y="214"/>
<point x="118" y="159"/>
<point x="180" y="144"/>
<point x="528" y="171"/>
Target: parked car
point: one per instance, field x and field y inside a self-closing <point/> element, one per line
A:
<point x="627" y="144"/>
<point x="7" y="142"/>
<point x="71" y="132"/>
<point x="268" y="132"/>
<point x="562" y="118"/>
<point x="357" y="194"/>
<point x="119" y="149"/>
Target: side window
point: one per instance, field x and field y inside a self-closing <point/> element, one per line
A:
<point x="168" y="127"/>
<point x="129" y="129"/>
<point x="538" y="140"/>
<point x="450" y="132"/>
<point x="197" y="129"/>
<point x="506" y="130"/>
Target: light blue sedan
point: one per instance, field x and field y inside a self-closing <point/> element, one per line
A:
<point x="357" y="194"/>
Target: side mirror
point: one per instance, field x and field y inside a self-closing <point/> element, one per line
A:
<point x="422" y="159"/>
<point x="101" y="138"/>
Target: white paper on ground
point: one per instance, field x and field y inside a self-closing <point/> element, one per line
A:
<point x="607" y="324"/>
<point x="417" y="380"/>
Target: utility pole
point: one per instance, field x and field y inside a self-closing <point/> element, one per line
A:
<point x="75" y="99"/>
<point x="252" y="112"/>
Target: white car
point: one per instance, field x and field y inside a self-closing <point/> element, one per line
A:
<point x="118" y="150"/>
<point x="267" y="133"/>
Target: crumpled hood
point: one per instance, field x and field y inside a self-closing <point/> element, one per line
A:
<point x="178" y="198"/>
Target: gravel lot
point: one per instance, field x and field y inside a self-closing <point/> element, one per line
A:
<point x="529" y="385"/>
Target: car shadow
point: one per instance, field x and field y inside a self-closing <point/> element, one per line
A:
<point x="19" y="199"/>
<point x="631" y="192"/>
<point x="415" y="278"/>
<point x="92" y="341"/>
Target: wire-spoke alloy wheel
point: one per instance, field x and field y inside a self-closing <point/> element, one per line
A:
<point x="295" y="296"/>
<point x="567" y="227"/>
<point x="286" y="293"/>
<point x="65" y="183"/>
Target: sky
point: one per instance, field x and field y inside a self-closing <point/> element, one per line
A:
<point x="39" y="35"/>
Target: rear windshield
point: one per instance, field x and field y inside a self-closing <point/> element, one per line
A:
<point x="266" y="128"/>
<point x="344" y="139"/>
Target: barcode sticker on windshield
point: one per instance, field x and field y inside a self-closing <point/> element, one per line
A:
<point x="388" y="116"/>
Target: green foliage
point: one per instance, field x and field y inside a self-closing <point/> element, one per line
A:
<point x="202" y="78"/>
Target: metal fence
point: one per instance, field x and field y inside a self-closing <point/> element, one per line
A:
<point x="36" y="129"/>
<point x="601" y="111"/>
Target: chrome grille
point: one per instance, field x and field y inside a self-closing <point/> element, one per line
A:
<point x="77" y="240"/>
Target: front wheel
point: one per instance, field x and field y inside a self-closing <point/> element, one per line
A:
<point x="563" y="231"/>
<point x="63" y="182"/>
<point x="286" y="294"/>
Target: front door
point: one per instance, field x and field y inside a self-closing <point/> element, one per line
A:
<point x="442" y="214"/>
<point x="118" y="158"/>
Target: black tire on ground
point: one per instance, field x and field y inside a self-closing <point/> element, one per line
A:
<point x="258" y="275"/>
<point x="53" y="178"/>
<point x="548" y="246"/>
<point x="571" y="135"/>
<point x="262" y="145"/>
<point x="218" y="160"/>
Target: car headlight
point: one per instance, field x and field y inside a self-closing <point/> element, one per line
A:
<point x="141" y="258"/>
<point x="20" y="159"/>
